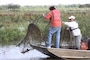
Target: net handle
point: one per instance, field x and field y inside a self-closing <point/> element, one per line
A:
<point x="36" y="19"/>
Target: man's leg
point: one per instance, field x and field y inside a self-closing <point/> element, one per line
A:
<point x="51" y="32"/>
<point x="57" y="44"/>
<point x="74" y="41"/>
<point x="78" y="41"/>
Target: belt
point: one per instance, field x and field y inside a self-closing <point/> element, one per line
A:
<point x="74" y="29"/>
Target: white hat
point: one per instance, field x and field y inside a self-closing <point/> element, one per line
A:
<point x="73" y="17"/>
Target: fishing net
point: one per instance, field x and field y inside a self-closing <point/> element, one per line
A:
<point x="35" y="36"/>
<point x="66" y="37"/>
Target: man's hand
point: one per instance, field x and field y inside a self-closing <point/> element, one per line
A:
<point x="43" y="14"/>
<point x="67" y="28"/>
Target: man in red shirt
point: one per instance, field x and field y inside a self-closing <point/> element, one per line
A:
<point x="55" y="26"/>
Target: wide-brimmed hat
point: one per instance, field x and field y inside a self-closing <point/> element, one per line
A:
<point x="71" y="17"/>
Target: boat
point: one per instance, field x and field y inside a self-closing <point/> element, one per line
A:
<point x="63" y="53"/>
<point x="33" y="37"/>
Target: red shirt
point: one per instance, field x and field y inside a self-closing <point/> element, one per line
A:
<point x="54" y="17"/>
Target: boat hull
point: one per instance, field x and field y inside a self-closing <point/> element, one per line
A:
<point x="44" y="50"/>
<point x="63" y="53"/>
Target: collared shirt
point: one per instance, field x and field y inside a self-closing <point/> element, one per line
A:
<point x="73" y="25"/>
<point x="54" y="17"/>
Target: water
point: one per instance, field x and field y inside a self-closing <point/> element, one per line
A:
<point x="14" y="53"/>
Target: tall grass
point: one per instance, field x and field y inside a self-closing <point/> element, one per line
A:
<point x="9" y="24"/>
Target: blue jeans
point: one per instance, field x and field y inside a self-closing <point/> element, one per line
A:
<point x="57" y="31"/>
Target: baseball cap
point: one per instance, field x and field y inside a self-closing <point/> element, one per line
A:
<point x="71" y="17"/>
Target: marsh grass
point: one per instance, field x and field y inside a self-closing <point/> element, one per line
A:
<point x="9" y="24"/>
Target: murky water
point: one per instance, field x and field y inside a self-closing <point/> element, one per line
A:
<point x="14" y="53"/>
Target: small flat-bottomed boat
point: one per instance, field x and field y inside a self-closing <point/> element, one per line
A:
<point x="63" y="53"/>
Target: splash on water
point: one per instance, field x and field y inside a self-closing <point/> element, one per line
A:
<point x="13" y="52"/>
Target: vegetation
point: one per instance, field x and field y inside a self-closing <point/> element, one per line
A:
<point x="14" y="20"/>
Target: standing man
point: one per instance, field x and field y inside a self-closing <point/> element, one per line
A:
<point x="74" y="27"/>
<point x="55" y="26"/>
